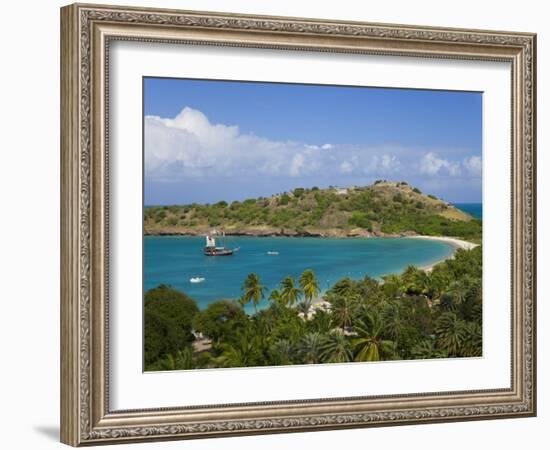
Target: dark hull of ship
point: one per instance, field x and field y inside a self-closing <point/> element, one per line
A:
<point x="209" y="251"/>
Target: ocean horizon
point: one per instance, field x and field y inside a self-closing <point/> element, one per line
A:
<point x="174" y="260"/>
<point x="474" y="209"/>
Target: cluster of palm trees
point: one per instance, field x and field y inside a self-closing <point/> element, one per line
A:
<point x="416" y="314"/>
<point x="289" y="293"/>
<point x="412" y="315"/>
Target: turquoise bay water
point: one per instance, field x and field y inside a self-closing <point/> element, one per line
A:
<point x="474" y="209"/>
<point x="173" y="260"/>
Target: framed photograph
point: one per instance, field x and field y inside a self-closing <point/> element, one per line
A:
<point x="277" y="224"/>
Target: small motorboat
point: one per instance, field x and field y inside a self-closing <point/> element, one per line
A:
<point x="272" y="253"/>
<point x="197" y="279"/>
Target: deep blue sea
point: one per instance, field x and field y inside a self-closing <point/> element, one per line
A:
<point x="474" y="209"/>
<point x="173" y="260"/>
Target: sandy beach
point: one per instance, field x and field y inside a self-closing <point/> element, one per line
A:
<point x="319" y="302"/>
<point x="456" y="243"/>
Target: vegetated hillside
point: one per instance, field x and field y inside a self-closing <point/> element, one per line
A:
<point x="382" y="209"/>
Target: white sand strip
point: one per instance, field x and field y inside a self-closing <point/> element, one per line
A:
<point x="456" y="243"/>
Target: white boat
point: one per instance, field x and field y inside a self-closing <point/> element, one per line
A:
<point x="272" y="253"/>
<point x="197" y="279"/>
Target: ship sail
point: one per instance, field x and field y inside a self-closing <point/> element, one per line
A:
<point x="210" y="241"/>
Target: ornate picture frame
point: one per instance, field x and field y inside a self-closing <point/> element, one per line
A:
<point x="87" y="32"/>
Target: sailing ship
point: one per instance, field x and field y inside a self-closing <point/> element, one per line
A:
<point x="211" y="249"/>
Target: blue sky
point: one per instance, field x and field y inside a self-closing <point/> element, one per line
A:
<point x="207" y="141"/>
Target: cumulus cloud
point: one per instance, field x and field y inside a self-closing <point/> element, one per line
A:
<point x="389" y="163"/>
<point x="431" y="164"/>
<point x="191" y="147"/>
<point x="296" y="165"/>
<point x="378" y="162"/>
<point x="473" y="165"/>
<point x="346" y="167"/>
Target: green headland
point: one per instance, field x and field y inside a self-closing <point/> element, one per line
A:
<point x="382" y="209"/>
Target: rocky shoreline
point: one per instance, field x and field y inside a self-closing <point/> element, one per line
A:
<point x="329" y="233"/>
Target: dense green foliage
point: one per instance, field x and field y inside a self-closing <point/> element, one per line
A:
<point x="413" y="315"/>
<point x="431" y="225"/>
<point x="383" y="208"/>
<point x="168" y="318"/>
<point x="220" y="319"/>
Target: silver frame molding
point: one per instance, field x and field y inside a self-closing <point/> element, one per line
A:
<point x="86" y="32"/>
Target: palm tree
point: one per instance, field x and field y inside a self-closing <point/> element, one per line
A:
<point x="477" y="311"/>
<point x="422" y="283"/>
<point x="264" y="322"/>
<point x="458" y="291"/>
<point x="276" y="296"/>
<point x="451" y="333"/>
<point x="321" y="321"/>
<point x="303" y="307"/>
<point x="439" y="280"/>
<point x="416" y="281"/>
<point x="184" y="359"/>
<point x="393" y="320"/>
<point x="455" y="295"/>
<point x="309" y="285"/>
<point x="446" y="302"/>
<point x="181" y="360"/>
<point x="336" y="348"/>
<point x="369" y="291"/>
<point x="241" y="353"/>
<point x="309" y="348"/>
<point x="370" y="342"/>
<point x="242" y="301"/>
<point x="344" y="288"/>
<point x="253" y="290"/>
<point x="426" y="349"/>
<point x="290" y="294"/>
<point x="282" y="352"/>
<point x="392" y="286"/>
<point x="470" y="295"/>
<point x="343" y="308"/>
<point x="472" y="340"/>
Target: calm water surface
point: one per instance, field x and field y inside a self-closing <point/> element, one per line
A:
<point x="173" y="260"/>
<point x="474" y="209"/>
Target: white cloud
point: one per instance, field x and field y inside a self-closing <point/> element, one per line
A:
<point x="346" y="167"/>
<point x="473" y="165"/>
<point x="431" y="164"/>
<point x="389" y="163"/>
<point x="296" y="165"/>
<point x="189" y="146"/>
<point x="379" y="162"/>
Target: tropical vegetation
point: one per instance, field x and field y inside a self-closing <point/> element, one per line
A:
<point x="413" y="315"/>
<point x="384" y="208"/>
